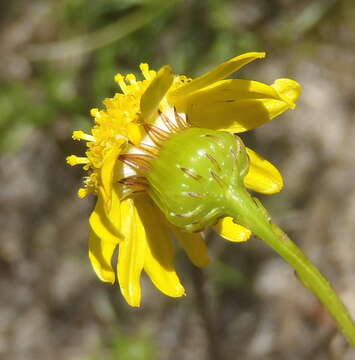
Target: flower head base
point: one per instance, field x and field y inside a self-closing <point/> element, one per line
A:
<point x="191" y="190"/>
<point x="168" y="138"/>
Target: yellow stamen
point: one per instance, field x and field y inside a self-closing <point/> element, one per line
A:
<point x="144" y="67"/>
<point x="120" y="81"/>
<point x="73" y="160"/>
<point x="95" y="112"/>
<point x="131" y="79"/>
<point x="80" y="135"/>
<point x="83" y="192"/>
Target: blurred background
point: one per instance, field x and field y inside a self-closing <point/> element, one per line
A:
<point x="58" y="60"/>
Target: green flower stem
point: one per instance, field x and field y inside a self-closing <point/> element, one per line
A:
<point x="250" y="213"/>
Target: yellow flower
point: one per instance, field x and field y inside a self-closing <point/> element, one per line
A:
<point x="127" y="134"/>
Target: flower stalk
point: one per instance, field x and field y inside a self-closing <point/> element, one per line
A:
<point x="251" y="214"/>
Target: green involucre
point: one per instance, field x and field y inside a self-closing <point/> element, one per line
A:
<point x="193" y="174"/>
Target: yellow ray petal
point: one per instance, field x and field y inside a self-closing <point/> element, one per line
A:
<point x="159" y="257"/>
<point x="101" y="225"/>
<point x="195" y="247"/>
<point x="107" y="169"/>
<point x="262" y="176"/>
<point x="289" y="90"/>
<point x="100" y="255"/>
<point x="155" y="92"/>
<point x="135" y="133"/>
<point x="131" y="253"/>
<point x="237" y="105"/>
<point x="231" y="231"/>
<point x="230" y="90"/>
<point x="236" y="116"/>
<point x="114" y="215"/>
<point x="218" y="73"/>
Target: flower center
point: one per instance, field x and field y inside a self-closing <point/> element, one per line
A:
<point x="120" y="129"/>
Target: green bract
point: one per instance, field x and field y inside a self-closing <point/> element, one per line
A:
<point x="194" y="173"/>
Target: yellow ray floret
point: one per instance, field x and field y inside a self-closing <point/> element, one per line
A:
<point x="262" y="177"/>
<point x="231" y="231"/>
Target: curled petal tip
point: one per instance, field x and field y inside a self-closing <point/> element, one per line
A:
<point x="263" y="176"/>
<point x="289" y="90"/>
